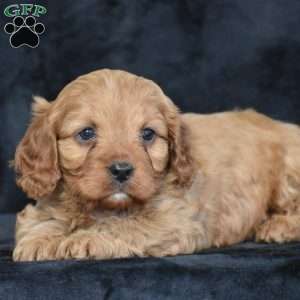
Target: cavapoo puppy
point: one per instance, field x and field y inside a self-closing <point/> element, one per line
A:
<point x="117" y="171"/>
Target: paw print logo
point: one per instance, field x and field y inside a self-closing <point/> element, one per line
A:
<point x="24" y="32"/>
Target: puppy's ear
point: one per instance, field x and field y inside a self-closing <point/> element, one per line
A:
<point x="36" y="159"/>
<point x="180" y="158"/>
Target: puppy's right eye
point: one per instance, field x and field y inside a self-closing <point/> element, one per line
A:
<point x="86" y="134"/>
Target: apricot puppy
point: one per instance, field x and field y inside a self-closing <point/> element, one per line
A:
<point x="117" y="171"/>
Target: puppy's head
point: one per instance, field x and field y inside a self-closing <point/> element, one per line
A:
<point x="109" y="138"/>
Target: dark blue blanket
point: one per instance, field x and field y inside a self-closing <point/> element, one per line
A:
<point x="246" y="271"/>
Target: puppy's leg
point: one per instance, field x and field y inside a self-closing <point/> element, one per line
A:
<point x="283" y="224"/>
<point x="186" y="228"/>
<point x="176" y="243"/>
<point x="37" y="235"/>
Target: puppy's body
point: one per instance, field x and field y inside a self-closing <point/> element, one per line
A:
<point x="253" y="164"/>
<point x="211" y="180"/>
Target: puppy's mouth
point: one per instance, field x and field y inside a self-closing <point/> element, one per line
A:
<point x="120" y="200"/>
<point x="117" y="200"/>
<point x="119" y="197"/>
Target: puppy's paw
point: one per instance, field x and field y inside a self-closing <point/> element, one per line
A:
<point x="164" y="249"/>
<point x="80" y="245"/>
<point x="276" y="230"/>
<point x="36" y="249"/>
<point x="95" y="245"/>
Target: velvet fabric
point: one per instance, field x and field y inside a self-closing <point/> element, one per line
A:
<point x="208" y="56"/>
<point x="245" y="271"/>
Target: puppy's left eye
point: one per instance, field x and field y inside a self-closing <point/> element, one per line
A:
<point x="87" y="134"/>
<point x="148" y="134"/>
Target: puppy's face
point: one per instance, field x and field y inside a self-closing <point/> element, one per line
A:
<point x="110" y="138"/>
<point x="113" y="142"/>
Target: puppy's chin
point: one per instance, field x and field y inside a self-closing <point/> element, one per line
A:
<point x="119" y="201"/>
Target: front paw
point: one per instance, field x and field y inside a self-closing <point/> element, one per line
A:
<point x="164" y="249"/>
<point x="36" y="249"/>
<point x="80" y="245"/>
<point x="277" y="230"/>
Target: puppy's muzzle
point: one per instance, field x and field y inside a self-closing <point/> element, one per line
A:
<point x="121" y="171"/>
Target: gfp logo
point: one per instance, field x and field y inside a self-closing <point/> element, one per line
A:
<point x="24" y="30"/>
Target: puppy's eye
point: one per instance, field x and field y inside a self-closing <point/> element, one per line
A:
<point x="87" y="134"/>
<point x="148" y="134"/>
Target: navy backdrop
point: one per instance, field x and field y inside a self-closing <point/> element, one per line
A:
<point x="207" y="55"/>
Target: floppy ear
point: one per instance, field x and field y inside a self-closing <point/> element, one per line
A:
<point x="180" y="157"/>
<point x="36" y="160"/>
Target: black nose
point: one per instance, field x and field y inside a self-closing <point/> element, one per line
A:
<point x="121" y="171"/>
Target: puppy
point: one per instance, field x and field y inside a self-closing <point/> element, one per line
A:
<point x="117" y="171"/>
